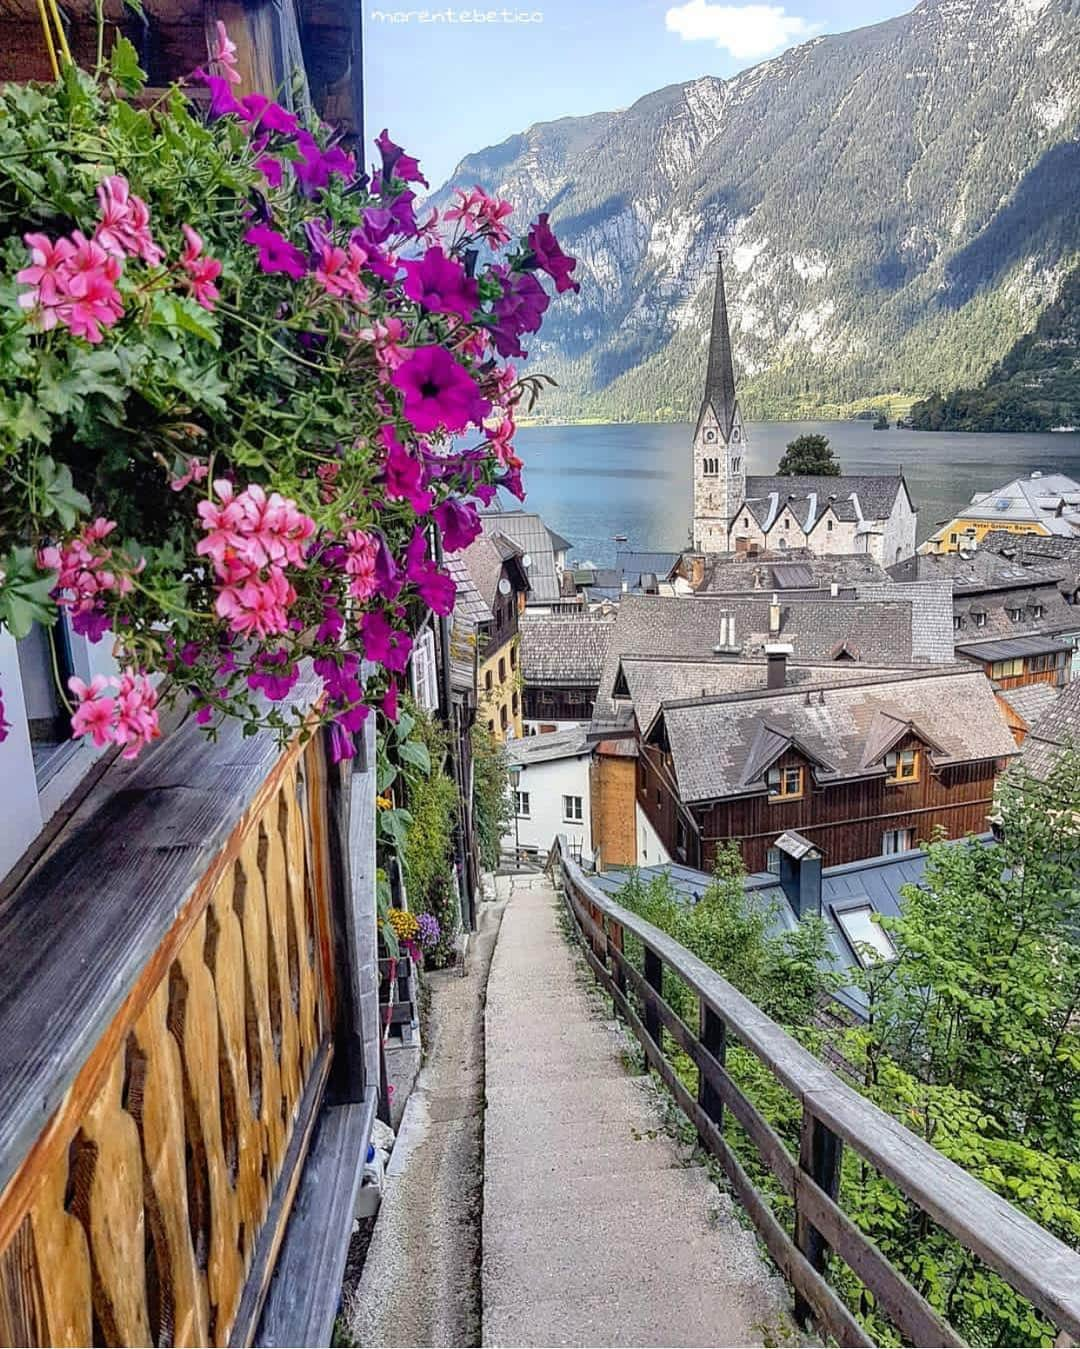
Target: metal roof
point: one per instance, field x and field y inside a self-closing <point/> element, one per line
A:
<point x="1034" y="645"/>
<point x="570" y="743"/>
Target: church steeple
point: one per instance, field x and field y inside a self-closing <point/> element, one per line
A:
<point x="720" y="375"/>
<point x="719" y="443"/>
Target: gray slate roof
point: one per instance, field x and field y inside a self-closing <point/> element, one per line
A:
<point x="880" y="631"/>
<point x="1032" y="549"/>
<point x="717" y="748"/>
<point x="931" y="614"/>
<point x="562" y="650"/>
<point x="1059" y="725"/>
<point x="537" y="542"/>
<point x="533" y="749"/>
<point x="467" y="599"/>
<point x="728" y="572"/>
<point x="652" y="680"/>
<point x="809" y="496"/>
<point x="484" y="561"/>
<point x="469" y="611"/>
<point x="1030" y="701"/>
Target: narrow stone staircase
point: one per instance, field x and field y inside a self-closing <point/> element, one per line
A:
<point x="595" y="1230"/>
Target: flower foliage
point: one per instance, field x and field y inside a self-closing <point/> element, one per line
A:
<point x="241" y="385"/>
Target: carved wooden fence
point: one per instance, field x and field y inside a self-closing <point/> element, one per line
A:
<point x="178" y="986"/>
<point x="1031" y="1260"/>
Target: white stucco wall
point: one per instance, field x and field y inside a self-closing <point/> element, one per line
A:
<point x="547" y="783"/>
<point x="650" y="851"/>
<point x="898" y="539"/>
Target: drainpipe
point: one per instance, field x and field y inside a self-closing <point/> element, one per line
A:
<point x="466" y="898"/>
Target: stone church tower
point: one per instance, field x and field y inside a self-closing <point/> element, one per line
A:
<point x="719" y="440"/>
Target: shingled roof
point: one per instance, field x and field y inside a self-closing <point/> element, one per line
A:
<point x="809" y="496"/>
<point x="652" y="680"/>
<point x="877" y="632"/>
<point x="797" y="568"/>
<point x="564" y="650"/>
<point x="537" y="542"/>
<point x="1058" y="726"/>
<point x="719" y="747"/>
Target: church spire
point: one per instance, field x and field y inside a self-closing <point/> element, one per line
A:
<point x="720" y="376"/>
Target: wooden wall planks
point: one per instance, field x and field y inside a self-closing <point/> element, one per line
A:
<point x="166" y="1172"/>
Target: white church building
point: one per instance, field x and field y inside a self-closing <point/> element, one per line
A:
<point x="737" y="512"/>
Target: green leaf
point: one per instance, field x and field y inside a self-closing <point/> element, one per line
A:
<point x="416" y="753"/>
<point x="405" y="722"/>
<point x="394" y="825"/>
<point x="60" y="495"/>
<point x="124" y="64"/>
<point x="24" y="593"/>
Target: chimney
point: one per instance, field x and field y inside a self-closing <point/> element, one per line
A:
<point x="774" y="616"/>
<point x="722" y="641"/>
<point x="834" y="590"/>
<point x="778" y="653"/>
<point x="800" y="873"/>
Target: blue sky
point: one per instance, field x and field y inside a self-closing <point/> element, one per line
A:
<point x="446" y="88"/>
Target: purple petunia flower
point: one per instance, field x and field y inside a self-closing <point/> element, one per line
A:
<point x="92" y="624"/>
<point x="549" y="257"/>
<point x="520" y="309"/>
<point x="404" y="475"/>
<point x="396" y="164"/>
<point x="459" y="523"/>
<point x="439" y="284"/>
<point x="383" y="643"/>
<point x="438" y="391"/>
<point x="434" y="586"/>
<point x="314" y="167"/>
<point x="276" y="253"/>
<point x="274" y="674"/>
<point x="266" y="115"/>
<point x="223" y="102"/>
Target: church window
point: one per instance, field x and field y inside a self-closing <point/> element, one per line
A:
<point x="828" y="526"/>
<point x="782" y="545"/>
<point x="712" y="467"/>
<point x="745" y="522"/>
<point x="735" y="464"/>
<point x="787" y="522"/>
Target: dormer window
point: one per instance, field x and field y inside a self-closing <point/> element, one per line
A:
<point x="1036" y="611"/>
<point x="980" y="620"/>
<point x="957" y="622"/>
<point x="785" y="784"/>
<point x="902" y="765"/>
<point x="1014" y="613"/>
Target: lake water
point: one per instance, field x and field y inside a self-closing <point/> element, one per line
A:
<point x="593" y="482"/>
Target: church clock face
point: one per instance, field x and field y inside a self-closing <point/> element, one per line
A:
<point x="710" y="436"/>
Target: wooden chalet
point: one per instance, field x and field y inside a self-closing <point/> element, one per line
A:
<point x="859" y="769"/>
<point x="562" y="656"/>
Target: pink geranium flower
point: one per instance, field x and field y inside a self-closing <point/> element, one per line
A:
<point x="360" y="564"/>
<point x="46" y="277"/>
<point x="481" y="214"/>
<point x="438" y="391"/>
<point x="125" y="222"/>
<point x="93" y="300"/>
<point x="339" y="271"/>
<point x="223" y="52"/>
<point x="387" y="336"/>
<point x="257" y="606"/>
<point x="202" y="271"/>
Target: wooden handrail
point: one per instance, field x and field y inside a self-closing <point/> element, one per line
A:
<point x="1030" y="1259"/>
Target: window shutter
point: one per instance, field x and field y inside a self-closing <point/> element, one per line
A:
<point x="425" y="672"/>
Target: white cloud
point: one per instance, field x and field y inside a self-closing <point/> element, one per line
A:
<point x="746" y="31"/>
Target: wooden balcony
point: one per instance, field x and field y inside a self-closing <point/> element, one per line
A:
<point x="189" y="1051"/>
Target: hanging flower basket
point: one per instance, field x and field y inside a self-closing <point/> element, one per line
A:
<point x="241" y="384"/>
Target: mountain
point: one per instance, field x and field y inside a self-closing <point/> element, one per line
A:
<point x="896" y="205"/>
<point x="1036" y="386"/>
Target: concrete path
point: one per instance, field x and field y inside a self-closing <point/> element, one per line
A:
<point x="595" y="1231"/>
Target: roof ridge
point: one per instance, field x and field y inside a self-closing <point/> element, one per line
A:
<point x="897" y="676"/>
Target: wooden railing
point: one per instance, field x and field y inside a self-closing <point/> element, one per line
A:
<point x="1035" y="1263"/>
<point x="177" y="986"/>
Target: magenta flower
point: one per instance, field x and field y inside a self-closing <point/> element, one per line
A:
<point x="276" y="253"/>
<point x="315" y="165"/>
<point x="136" y="713"/>
<point x="383" y="643"/>
<point x="438" y="391"/>
<point x="47" y="278"/>
<point x="95" y="713"/>
<point x="274" y="674"/>
<point x="363" y="549"/>
<point x="434" y="587"/>
<point x="520" y="309"/>
<point x="257" y="606"/>
<point x="266" y="115"/>
<point x="396" y="163"/>
<point x="439" y="284"/>
<point x="202" y="271"/>
<point x="549" y="256"/>
<point x="459" y="523"/>
<point x="271" y="169"/>
<point x="93" y="301"/>
<point x="390" y="701"/>
<point x="404" y="475"/>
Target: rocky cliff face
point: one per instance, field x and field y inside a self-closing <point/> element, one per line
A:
<point x="896" y="204"/>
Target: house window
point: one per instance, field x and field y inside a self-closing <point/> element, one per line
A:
<point x="980" y="620"/>
<point x="787" y="522"/>
<point x="1014" y="613"/>
<point x="502" y="670"/>
<point x="425" y="675"/>
<point x="772" y="860"/>
<point x="680" y="838"/>
<point x="504" y="718"/>
<point x="957" y="622"/>
<point x="513" y="658"/>
<point x="491" y="728"/>
<point x="903" y="765"/>
<point x="952" y="538"/>
<point x="514" y="703"/>
<point x="895" y="840"/>
<point x="828" y="526"/>
<point x="521" y="805"/>
<point x="867" y="939"/>
<point x="1036" y="611"/>
<point x="712" y="468"/>
<point x="489" y="681"/>
<point x="572" y="811"/>
<point x="745" y="523"/>
<point x="785" y="784"/>
<point x="1007" y="669"/>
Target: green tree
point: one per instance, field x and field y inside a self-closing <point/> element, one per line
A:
<point x="811" y="454"/>
<point x="493" y="810"/>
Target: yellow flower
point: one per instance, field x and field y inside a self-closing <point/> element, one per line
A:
<point x="405" y="925"/>
<point x="383" y="802"/>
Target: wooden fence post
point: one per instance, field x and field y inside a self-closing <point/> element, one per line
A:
<point x="615" y="944"/>
<point x="713" y="1038"/>
<point x="820" y="1153"/>
<point x="654" y="977"/>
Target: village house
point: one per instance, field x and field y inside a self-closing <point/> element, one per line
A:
<point x="561" y="659"/>
<point x="858" y="769"/>
<point x="739" y="512"/>
<point x="496" y="567"/>
<point x="1041" y="504"/>
<point x="551" y="785"/>
<point x="543" y="557"/>
<point x="1055" y="727"/>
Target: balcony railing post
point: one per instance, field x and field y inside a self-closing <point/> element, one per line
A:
<point x="820" y="1155"/>
<point x="713" y="1035"/>
<point x="654" y="977"/>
